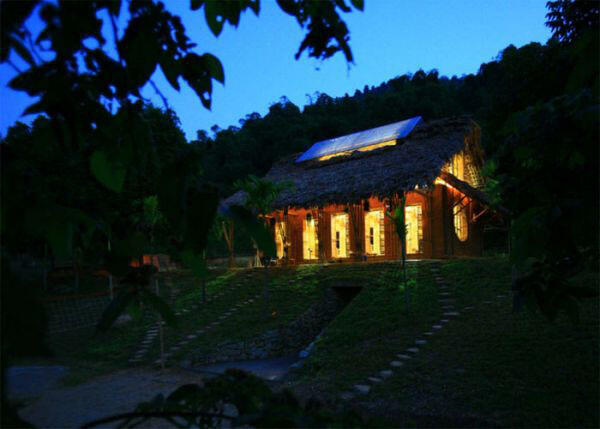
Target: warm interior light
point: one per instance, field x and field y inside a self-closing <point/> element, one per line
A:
<point x="362" y="149"/>
<point x="280" y="234"/>
<point x="440" y="181"/>
<point x="339" y="228"/>
<point x="309" y="239"/>
<point x="377" y="146"/>
<point x="373" y="230"/>
<point x="414" y="229"/>
<point x="461" y="224"/>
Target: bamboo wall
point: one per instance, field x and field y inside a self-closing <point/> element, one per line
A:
<point x="439" y="239"/>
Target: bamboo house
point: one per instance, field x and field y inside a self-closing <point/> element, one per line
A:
<point x="343" y="187"/>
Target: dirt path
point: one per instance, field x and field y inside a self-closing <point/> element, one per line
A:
<point x="103" y="396"/>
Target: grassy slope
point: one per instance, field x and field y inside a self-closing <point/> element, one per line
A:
<point x="291" y="291"/>
<point x="362" y="339"/>
<point x="487" y="367"/>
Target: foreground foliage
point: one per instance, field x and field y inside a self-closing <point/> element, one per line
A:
<point x="237" y="399"/>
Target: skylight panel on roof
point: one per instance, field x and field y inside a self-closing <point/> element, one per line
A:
<point x="360" y="139"/>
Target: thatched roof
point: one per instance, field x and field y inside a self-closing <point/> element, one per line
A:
<point x="414" y="161"/>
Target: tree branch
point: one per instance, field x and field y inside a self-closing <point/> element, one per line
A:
<point x="14" y="66"/>
<point x="160" y="94"/>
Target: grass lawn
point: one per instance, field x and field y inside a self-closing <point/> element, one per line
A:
<point x="486" y="367"/>
<point x="291" y="291"/>
<point x="375" y="326"/>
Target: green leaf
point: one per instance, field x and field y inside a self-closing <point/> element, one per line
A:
<point x="135" y="311"/>
<point x="115" y="309"/>
<point x="213" y="17"/>
<point x="140" y="49"/>
<point x="196" y="262"/>
<point x="185" y="393"/>
<point x="117" y="265"/>
<point x="256" y="228"/>
<point x="358" y="4"/>
<point x="160" y="306"/>
<point x="196" y="4"/>
<point x="111" y="174"/>
<point x="22" y="51"/>
<point x="215" y="67"/>
<point x="172" y="70"/>
<point x="201" y="208"/>
<point x="60" y="236"/>
<point x="114" y="7"/>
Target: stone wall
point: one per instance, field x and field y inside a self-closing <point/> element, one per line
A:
<point x="285" y="341"/>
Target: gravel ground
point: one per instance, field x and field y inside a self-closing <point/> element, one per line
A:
<point x="104" y="396"/>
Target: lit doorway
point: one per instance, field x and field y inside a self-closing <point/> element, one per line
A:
<point x="414" y="229"/>
<point x="339" y="234"/>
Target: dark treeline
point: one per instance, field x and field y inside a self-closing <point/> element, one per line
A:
<point x="560" y="75"/>
<point x="520" y="77"/>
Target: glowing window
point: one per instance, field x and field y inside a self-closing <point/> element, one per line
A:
<point x="461" y="225"/>
<point x="280" y="238"/>
<point x="414" y="229"/>
<point x="309" y="239"/>
<point x="339" y="235"/>
<point x="373" y="232"/>
<point x="456" y="166"/>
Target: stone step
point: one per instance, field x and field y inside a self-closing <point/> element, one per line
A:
<point x="346" y="396"/>
<point x="362" y="388"/>
<point x="396" y="363"/>
<point x="412" y="350"/>
<point x="386" y="373"/>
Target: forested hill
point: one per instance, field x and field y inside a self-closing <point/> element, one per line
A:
<point x="518" y="78"/>
<point x="537" y="106"/>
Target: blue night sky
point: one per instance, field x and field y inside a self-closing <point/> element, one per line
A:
<point x="388" y="39"/>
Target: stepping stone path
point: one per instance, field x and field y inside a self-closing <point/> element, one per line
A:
<point x="212" y="325"/>
<point x="362" y="388"/>
<point x="445" y="297"/>
<point x="153" y="330"/>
